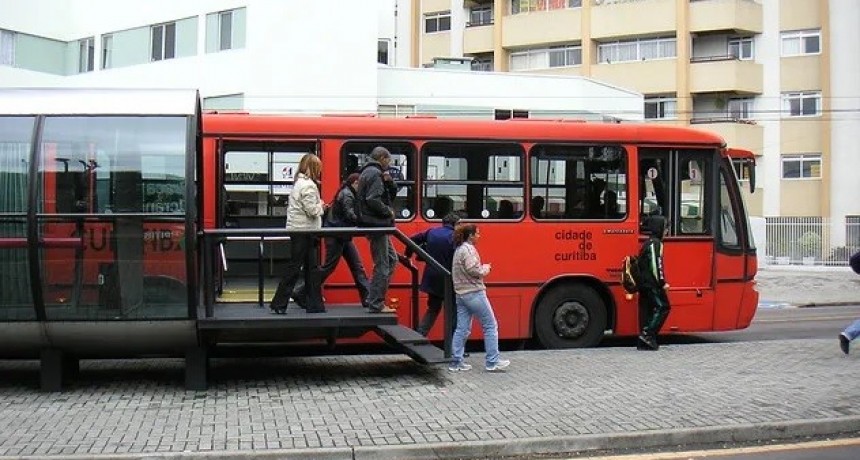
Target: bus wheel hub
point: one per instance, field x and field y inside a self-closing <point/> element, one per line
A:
<point x="570" y="320"/>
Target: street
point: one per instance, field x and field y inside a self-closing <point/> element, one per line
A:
<point x="772" y="324"/>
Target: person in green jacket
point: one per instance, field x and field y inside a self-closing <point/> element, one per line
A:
<point x="653" y="301"/>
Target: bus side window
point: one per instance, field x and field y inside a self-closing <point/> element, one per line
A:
<point x="355" y="154"/>
<point x="693" y="192"/>
<point x="572" y="182"/>
<point x="476" y="180"/>
<point x="653" y="185"/>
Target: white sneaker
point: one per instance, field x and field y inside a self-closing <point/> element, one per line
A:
<point x="460" y="367"/>
<point x="499" y="365"/>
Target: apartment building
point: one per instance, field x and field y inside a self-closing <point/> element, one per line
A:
<point x="779" y="77"/>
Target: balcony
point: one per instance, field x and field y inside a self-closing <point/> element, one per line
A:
<point x="478" y="39"/>
<point x="627" y="18"/>
<point x="725" y="74"/>
<point x="738" y="133"/>
<point x="542" y="27"/>
<point x="737" y="16"/>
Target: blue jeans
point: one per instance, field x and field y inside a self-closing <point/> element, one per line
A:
<point x="853" y="330"/>
<point x="469" y="305"/>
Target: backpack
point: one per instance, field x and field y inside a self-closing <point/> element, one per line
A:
<point x="630" y="277"/>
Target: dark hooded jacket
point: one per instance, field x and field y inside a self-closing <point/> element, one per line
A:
<point x="439" y="243"/>
<point x="342" y="212"/>
<point x="651" y="254"/>
<point x="374" y="198"/>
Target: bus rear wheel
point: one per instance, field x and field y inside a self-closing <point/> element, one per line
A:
<point x="572" y="316"/>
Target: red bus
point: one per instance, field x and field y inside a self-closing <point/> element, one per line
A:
<point x="127" y="216"/>
<point x="559" y="204"/>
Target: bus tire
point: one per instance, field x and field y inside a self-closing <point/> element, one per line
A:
<point x="570" y="316"/>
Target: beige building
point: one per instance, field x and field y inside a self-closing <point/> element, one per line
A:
<point x="765" y="74"/>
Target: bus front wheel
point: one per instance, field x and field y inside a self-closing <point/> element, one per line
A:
<point x="572" y="316"/>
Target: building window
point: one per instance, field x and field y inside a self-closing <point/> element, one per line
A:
<point x="383" y="56"/>
<point x="107" y="51"/>
<point x="798" y="43"/>
<point x="86" y="54"/>
<point x="803" y="104"/>
<point x="545" y="58"/>
<point x="807" y="166"/>
<point x="481" y="15"/>
<point x="437" y="22"/>
<point x="225" y="30"/>
<point x="164" y="41"/>
<point x="482" y="64"/>
<point x="637" y="50"/>
<point x="741" y="48"/>
<point x="661" y="108"/>
<point x="7" y="47"/>
<point x="740" y="108"/>
<point x="527" y="6"/>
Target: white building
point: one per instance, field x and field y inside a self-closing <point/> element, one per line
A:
<point x="274" y="56"/>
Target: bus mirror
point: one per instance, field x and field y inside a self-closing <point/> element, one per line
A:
<point x="751" y="164"/>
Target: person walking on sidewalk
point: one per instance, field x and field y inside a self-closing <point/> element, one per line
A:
<point x="374" y="196"/>
<point x="848" y="335"/>
<point x="468" y="273"/>
<point x="653" y="301"/>
<point x="439" y="244"/>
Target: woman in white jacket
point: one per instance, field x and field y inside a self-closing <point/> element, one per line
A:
<point x="304" y="211"/>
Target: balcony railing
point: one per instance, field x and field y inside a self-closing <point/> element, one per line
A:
<point x="716" y="58"/>
<point x="720" y="119"/>
<point x="479" y="24"/>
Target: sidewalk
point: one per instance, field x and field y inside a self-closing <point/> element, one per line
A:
<point x="808" y="286"/>
<point x="387" y="407"/>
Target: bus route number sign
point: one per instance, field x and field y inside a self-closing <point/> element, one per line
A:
<point x="652" y="173"/>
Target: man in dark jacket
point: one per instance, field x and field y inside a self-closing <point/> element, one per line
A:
<point x="439" y="243"/>
<point x="653" y="301"/>
<point x="374" y="195"/>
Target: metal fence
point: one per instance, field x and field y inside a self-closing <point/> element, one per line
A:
<point x="810" y="240"/>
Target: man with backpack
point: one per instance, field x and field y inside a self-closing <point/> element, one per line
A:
<point x="652" y="286"/>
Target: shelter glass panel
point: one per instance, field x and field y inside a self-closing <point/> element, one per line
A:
<point x="112" y="197"/>
<point x="16" y="302"/>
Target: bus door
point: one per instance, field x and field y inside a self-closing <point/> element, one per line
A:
<point x="678" y="184"/>
<point x="255" y="180"/>
<point x="736" y="255"/>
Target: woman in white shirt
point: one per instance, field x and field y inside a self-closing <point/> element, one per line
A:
<point x="468" y="275"/>
<point x="304" y="211"/>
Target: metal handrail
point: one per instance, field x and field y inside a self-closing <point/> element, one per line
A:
<point x="209" y="236"/>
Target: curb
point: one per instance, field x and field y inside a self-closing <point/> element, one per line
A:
<point x="827" y="304"/>
<point x="614" y="441"/>
<point x="559" y="445"/>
